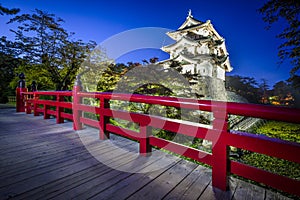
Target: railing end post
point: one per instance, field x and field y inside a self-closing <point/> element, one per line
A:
<point x="77" y="125"/>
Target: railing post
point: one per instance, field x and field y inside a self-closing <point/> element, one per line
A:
<point x="28" y="103"/>
<point x="20" y="104"/>
<point x="145" y="147"/>
<point x="35" y="105"/>
<point x="46" y="115"/>
<point x="77" y="125"/>
<point x="220" y="151"/>
<point x="103" y="120"/>
<point x="59" y="109"/>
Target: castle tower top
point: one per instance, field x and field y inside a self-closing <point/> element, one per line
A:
<point x="197" y="43"/>
<point x="189" y="14"/>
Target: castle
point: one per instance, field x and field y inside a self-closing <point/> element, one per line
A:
<point x="202" y="53"/>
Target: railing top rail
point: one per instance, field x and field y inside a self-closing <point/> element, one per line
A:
<point x="27" y="93"/>
<point x="245" y="109"/>
<point x="51" y="93"/>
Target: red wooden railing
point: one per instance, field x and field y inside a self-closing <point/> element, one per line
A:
<point x="218" y="132"/>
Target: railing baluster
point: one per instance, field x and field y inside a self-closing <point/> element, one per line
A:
<point x="59" y="109"/>
<point x="77" y="100"/>
<point x="35" y="105"/>
<point x="103" y="120"/>
<point x="220" y="151"/>
<point x="145" y="147"/>
<point x="46" y="108"/>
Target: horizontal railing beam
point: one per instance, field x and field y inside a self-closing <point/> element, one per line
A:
<point x="217" y="132"/>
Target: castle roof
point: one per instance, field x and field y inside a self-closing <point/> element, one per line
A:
<point x="194" y="33"/>
<point x="190" y="22"/>
<point x="184" y="40"/>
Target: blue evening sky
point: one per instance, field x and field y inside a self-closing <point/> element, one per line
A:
<point x="252" y="49"/>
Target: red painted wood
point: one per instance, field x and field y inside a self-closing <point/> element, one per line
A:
<point x="59" y="109"/>
<point x="265" y="145"/>
<point x="103" y="119"/>
<point x="274" y="180"/>
<point x="20" y="104"/>
<point x="195" y="154"/>
<point x="91" y="122"/>
<point x="36" y="110"/>
<point x="77" y="113"/>
<point x="220" y="152"/>
<point x="54" y="93"/>
<point x="218" y="133"/>
<point x="145" y="147"/>
<point x="50" y="112"/>
<point x="88" y="108"/>
<point x="67" y="116"/>
<point x="123" y="132"/>
<point x="46" y="111"/>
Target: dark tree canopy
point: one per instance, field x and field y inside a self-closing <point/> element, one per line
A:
<point x="246" y="87"/>
<point x="51" y="50"/>
<point x="287" y="13"/>
<point x="7" y="11"/>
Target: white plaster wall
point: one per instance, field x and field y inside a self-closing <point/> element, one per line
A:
<point x="186" y="68"/>
<point x="205" y="69"/>
<point x="203" y="49"/>
<point x="220" y="73"/>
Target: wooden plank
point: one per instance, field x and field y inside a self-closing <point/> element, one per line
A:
<point x="193" y="185"/>
<point x="248" y="190"/>
<point x="162" y="185"/>
<point x="37" y="143"/>
<point x="94" y="186"/>
<point x="76" y="188"/>
<point x="128" y="186"/>
<point x="47" y="174"/>
<point x="270" y="195"/>
<point x="70" y="181"/>
<point x="53" y="158"/>
<point x="40" y="165"/>
<point x="211" y="192"/>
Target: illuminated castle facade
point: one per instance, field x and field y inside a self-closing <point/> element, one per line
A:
<point x="202" y="53"/>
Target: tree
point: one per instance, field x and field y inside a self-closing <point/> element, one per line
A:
<point x="8" y="11"/>
<point x="288" y="11"/>
<point x="8" y="64"/>
<point x="264" y="90"/>
<point x="246" y="87"/>
<point x="281" y="88"/>
<point x="41" y="40"/>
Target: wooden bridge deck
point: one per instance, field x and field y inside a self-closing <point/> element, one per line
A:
<point x="43" y="160"/>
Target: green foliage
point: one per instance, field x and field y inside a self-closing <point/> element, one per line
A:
<point x="275" y="165"/>
<point x="33" y="73"/>
<point x="7" y="66"/>
<point x="110" y="77"/>
<point x="281" y="130"/>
